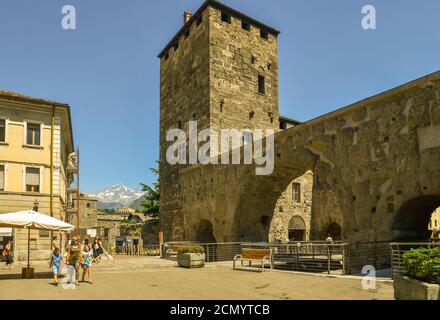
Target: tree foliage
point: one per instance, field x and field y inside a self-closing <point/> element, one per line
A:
<point x="150" y="204"/>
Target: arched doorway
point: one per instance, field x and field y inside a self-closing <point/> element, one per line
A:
<point x="335" y="231"/>
<point x="412" y="221"/>
<point x="297" y="229"/>
<point x="204" y="232"/>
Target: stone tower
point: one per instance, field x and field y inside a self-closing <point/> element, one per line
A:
<point x="221" y="70"/>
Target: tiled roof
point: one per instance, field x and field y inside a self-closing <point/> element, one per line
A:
<point x="18" y="96"/>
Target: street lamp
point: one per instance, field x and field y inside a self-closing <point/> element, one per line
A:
<point x="36" y="204"/>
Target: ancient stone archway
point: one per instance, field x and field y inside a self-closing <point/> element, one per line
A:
<point x="204" y="232"/>
<point x="412" y="219"/>
<point x="297" y="229"/>
<point x="335" y="231"/>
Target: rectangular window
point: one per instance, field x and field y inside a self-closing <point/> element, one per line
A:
<point x="261" y="84"/>
<point x="245" y="26"/>
<point x="2" y="177"/>
<point x="264" y="34"/>
<point x="226" y="17"/>
<point x="199" y="21"/>
<point x="33" y="179"/>
<point x="296" y="192"/>
<point x="44" y="233"/>
<point x="2" y="130"/>
<point x="33" y="134"/>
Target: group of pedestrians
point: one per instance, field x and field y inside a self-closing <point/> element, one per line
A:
<point x="78" y="256"/>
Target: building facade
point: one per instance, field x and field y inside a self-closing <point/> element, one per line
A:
<point x="221" y="70"/>
<point x="35" y="143"/>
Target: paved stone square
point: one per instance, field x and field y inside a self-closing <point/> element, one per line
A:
<point x="143" y="278"/>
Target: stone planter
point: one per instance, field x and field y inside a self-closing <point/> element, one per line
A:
<point x="191" y="260"/>
<point x="406" y="288"/>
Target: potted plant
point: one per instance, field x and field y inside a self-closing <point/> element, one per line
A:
<point x="191" y="257"/>
<point x="422" y="281"/>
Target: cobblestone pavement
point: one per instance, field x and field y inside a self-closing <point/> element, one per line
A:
<point x="144" y="278"/>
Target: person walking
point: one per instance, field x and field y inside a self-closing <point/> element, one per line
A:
<point x="9" y="255"/>
<point x="74" y="258"/>
<point x="54" y="243"/>
<point x="55" y="264"/>
<point x="86" y="265"/>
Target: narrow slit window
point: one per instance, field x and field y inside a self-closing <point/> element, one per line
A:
<point x="187" y="33"/>
<point x="176" y="45"/>
<point x="264" y="34"/>
<point x="261" y="84"/>
<point x="245" y="26"/>
<point x="199" y="21"/>
<point x="226" y="17"/>
<point x="296" y="192"/>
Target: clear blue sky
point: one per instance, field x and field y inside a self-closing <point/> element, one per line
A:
<point x="108" y="72"/>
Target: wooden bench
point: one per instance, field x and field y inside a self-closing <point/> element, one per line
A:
<point x="262" y="256"/>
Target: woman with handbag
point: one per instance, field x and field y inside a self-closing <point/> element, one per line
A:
<point x="9" y="255"/>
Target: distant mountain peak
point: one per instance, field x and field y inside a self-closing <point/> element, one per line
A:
<point x="118" y="194"/>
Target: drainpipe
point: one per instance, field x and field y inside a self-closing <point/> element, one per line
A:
<point x="52" y="135"/>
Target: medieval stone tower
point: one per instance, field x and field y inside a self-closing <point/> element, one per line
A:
<point x="221" y="70"/>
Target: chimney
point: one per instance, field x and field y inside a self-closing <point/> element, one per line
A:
<point x="186" y="17"/>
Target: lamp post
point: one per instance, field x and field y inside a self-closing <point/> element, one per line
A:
<point x="36" y="205"/>
<point x="35" y="208"/>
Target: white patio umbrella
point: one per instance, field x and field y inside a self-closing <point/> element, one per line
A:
<point x="33" y="220"/>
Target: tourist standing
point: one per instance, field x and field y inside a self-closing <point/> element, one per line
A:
<point x="9" y="255"/>
<point x="55" y="264"/>
<point x="74" y="258"/>
<point x="87" y="263"/>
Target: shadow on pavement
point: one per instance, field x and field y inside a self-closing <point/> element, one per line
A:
<point x="17" y="276"/>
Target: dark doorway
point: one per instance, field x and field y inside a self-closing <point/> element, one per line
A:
<point x="205" y="232"/>
<point x="335" y="231"/>
<point x="412" y="220"/>
<point x="297" y="235"/>
<point x="297" y="229"/>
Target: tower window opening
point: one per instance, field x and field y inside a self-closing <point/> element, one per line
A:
<point x="176" y="45"/>
<point x="226" y="17"/>
<point x="245" y="26"/>
<point x="179" y="124"/>
<point x="251" y="115"/>
<point x="264" y="34"/>
<point x="187" y="33"/>
<point x="199" y="21"/>
<point x="261" y="84"/>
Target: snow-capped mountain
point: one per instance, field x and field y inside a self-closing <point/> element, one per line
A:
<point x="118" y="194"/>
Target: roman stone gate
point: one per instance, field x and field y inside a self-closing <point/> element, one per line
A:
<point x="376" y="168"/>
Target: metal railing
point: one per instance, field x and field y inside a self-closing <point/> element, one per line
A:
<point x="215" y="252"/>
<point x="146" y="250"/>
<point x="399" y="249"/>
<point x="314" y="256"/>
<point x="375" y="253"/>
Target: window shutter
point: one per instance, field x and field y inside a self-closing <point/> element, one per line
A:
<point x="33" y="176"/>
<point x="2" y="177"/>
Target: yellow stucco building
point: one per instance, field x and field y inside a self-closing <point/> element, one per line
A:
<point x="35" y="143"/>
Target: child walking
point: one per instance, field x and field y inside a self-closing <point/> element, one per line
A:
<point x="55" y="264"/>
<point x="87" y="257"/>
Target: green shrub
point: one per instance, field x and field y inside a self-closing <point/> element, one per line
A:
<point x="190" y="249"/>
<point x="423" y="264"/>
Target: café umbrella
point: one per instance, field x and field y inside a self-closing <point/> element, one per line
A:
<point x="33" y="220"/>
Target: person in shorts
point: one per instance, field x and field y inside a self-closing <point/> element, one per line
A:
<point x="55" y="264"/>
